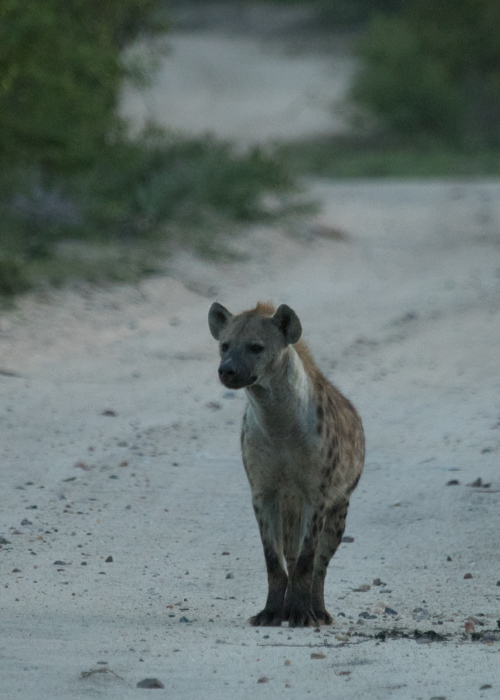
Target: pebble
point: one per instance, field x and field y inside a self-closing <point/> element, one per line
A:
<point x="367" y="616"/>
<point x="468" y="576"/>
<point x="390" y="611"/>
<point x="58" y="562"/>
<point x="420" y="614"/>
<point x="150" y="683"/>
<point x="183" y="619"/>
<point x="109" y="560"/>
<point x="229" y="575"/>
<point x="263" y="679"/>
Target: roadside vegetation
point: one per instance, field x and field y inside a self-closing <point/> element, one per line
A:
<point x="81" y="198"/>
<point x="426" y="98"/>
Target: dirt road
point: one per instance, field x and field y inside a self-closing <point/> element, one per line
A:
<point x="129" y="547"/>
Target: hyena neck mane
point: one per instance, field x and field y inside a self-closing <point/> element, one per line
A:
<point x="284" y="405"/>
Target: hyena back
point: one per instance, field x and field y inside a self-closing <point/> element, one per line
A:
<point x="303" y="449"/>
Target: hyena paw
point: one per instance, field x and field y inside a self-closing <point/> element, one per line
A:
<point x="323" y="617"/>
<point x="267" y="618"/>
<point x="302" y="617"/>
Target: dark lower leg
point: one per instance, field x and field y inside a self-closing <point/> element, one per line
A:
<point x="272" y="614"/>
<point x="298" y="607"/>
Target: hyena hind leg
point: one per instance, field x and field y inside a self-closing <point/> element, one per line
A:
<point x="329" y="541"/>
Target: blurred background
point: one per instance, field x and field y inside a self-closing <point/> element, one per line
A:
<point x="130" y="128"/>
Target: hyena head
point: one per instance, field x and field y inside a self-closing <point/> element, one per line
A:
<point x="251" y="344"/>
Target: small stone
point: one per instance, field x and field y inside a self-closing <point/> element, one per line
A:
<point x="183" y="619"/>
<point x="318" y="656"/>
<point x="377" y="582"/>
<point x="421" y="614"/>
<point x="347" y="539"/>
<point x="486" y="687"/>
<point x="225" y="554"/>
<point x="4" y="541"/>
<point x="229" y="575"/>
<point x="469" y="627"/>
<point x="449" y="559"/>
<point x="109" y="560"/>
<point x="362" y="589"/>
<point x="263" y="679"/>
<point x="150" y="683"/>
<point x="58" y="562"/>
<point x="25" y="521"/>
<point x="498" y="583"/>
<point x="287" y="662"/>
<point x="478" y="484"/>
<point x="468" y="576"/>
<point x="110" y="412"/>
<point x="367" y="616"/>
<point x="453" y="482"/>
<point x="16" y="571"/>
<point x="390" y="611"/>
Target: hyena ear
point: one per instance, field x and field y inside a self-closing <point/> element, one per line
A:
<point x="218" y="318"/>
<point x="288" y="323"/>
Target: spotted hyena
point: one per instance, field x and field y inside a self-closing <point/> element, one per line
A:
<point x="303" y="450"/>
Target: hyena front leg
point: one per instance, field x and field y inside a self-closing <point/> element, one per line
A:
<point x="329" y="541"/>
<point x="267" y="512"/>
<point x="299" y="604"/>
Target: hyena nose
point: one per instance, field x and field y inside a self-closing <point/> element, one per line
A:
<point x="227" y="371"/>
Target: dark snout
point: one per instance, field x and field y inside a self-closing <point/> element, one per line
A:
<point x="233" y="374"/>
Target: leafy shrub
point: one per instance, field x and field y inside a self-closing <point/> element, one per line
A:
<point x="434" y="70"/>
<point x="406" y="88"/>
<point x="69" y="170"/>
<point x="13" y="278"/>
<point x="138" y="186"/>
<point x="60" y="74"/>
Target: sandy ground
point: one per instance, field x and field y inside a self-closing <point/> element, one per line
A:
<point x="247" y="87"/>
<point x="129" y="547"/>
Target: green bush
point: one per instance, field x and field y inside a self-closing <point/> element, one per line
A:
<point x="60" y="74"/>
<point x="138" y="186"/>
<point x="69" y="170"/>
<point x="13" y="277"/>
<point x="434" y="70"/>
<point x="156" y="187"/>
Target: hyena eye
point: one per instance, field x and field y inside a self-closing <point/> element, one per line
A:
<point x="256" y="348"/>
<point x="224" y="347"/>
